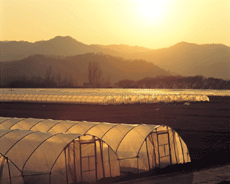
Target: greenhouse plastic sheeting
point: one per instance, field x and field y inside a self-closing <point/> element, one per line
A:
<point x="140" y="147"/>
<point x="98" y="96"/>
<point x="42" y="157"/>
<point x="9" y="173"/>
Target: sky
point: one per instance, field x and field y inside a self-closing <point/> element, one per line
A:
<point x="147" y="23"/>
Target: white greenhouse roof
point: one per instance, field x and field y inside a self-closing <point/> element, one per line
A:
<point x="18" y="141"/>
<point x="129" y="141"/>
<point x="105" y="131"/>
<point x="102" y="96"/>
<point x="43" y="157"/>
<point x="9" y="171"/>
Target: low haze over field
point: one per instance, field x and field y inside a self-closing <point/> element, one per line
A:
<point x="148" y="23"/>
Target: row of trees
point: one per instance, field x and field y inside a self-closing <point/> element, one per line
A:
<point x="176" y="82"/>
<point x="96" y="80"/>
<point x="50" y="81"/>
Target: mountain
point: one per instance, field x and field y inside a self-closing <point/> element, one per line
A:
<point x="192" y="59"/>
<point x="187" y="59"/>
<point x="62" y="46"/>
<point x="115" y="68"/>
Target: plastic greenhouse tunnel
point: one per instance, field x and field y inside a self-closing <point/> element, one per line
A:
<point x="139" y="147"/>
<point x="9" y="173"/>
<point x="114" y="97"/>
<point x="32" y="157"/>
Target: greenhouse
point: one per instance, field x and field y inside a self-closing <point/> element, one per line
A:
<point x="9" y="173"/>
<point x="99" y="96"/>
<point x="40" y="157"/>
<point x="139" y="147"/>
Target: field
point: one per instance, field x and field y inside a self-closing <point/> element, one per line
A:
<point x="204" y="126"/>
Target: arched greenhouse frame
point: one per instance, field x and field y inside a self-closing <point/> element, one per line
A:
<point x="43" y="157"/>
<point x="139" y="147"/>
<point x="9" y="172"/>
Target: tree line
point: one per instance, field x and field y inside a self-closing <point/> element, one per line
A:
<point x="97" y="80"/>
<point x="52" y="80"/>
<point x="176" y="82"/>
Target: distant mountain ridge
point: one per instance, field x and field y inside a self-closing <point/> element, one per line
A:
<point x="187" y="59"/>
<point x="76" y="68"/>
<point x="59" y="45"/>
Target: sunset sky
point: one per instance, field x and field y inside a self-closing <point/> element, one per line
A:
<point x="149" y="23"/>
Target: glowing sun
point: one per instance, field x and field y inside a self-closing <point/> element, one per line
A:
<point x="150" y="9"/>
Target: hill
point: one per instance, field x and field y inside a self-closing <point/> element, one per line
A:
<point x="187" y="59"/>
<point x="61" y="46"/>
<point x="209" y="60"/>
<point x="76" y="67"/>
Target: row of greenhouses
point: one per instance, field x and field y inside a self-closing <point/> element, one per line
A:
<point x="101" y="100"/>
<point x="77" y="151"/>
<point x="112" y="91"/>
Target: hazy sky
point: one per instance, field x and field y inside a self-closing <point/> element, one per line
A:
<point x="148" y="23"/>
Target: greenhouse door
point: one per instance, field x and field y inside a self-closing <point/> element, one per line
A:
<point x="81" y="161"/>
<point x="164" y="149"/>
<point x="88" y="162"/>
